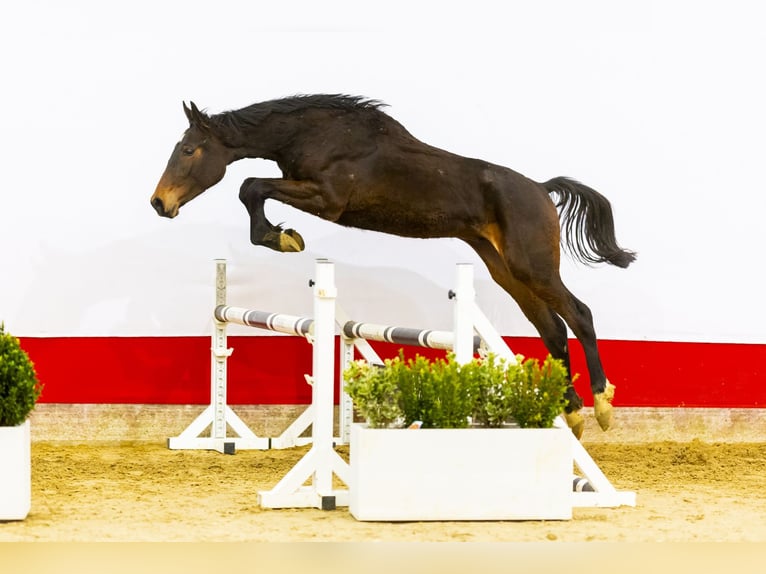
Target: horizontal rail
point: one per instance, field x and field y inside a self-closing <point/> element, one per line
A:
<point x="294" y="325"/>
<point x="403" y="335"/>
<point x="289" y="324"/>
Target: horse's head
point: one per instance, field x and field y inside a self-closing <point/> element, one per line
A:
<point x="198" y="162"/>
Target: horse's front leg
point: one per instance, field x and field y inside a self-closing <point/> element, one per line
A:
<point x="322" y="200"/>
<point x="253" y="195"/>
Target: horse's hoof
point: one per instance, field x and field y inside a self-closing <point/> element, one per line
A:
<point x="576" y="423"/>
<point x="297" y="236"/>
<point x="290" y="241"/>
<point x="602" y="406"/>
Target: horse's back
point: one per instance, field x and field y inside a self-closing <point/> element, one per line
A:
<point x="395" y="183"/>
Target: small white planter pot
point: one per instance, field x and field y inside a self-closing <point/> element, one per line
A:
<point x="460" y="474"/>
<point x="15" y="472"/>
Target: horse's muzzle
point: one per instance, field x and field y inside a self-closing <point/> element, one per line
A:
<point x="159" y="207"/>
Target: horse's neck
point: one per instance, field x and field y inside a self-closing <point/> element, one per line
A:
<point x="268" y="140"/>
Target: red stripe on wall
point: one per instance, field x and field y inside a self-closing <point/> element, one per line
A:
<point x="270" y="369"/>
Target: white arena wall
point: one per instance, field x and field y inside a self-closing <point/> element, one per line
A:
<point x="654" y="104"/>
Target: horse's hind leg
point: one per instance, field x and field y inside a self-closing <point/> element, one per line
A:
<point x="578" y="316"/>
<point x="553" y="332"/>
<point x="549" y="325"/>
<point x="580" y="320"/>
<point x="527" y="236"/>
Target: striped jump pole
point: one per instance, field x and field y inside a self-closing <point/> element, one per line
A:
<point x="461" y="340"/>
<point x="427" y="338"/>
<point x="279" y="322"/>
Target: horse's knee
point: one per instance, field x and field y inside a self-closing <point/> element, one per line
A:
<point x="248" y="192"/>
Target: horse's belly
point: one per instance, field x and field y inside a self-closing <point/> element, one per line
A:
<point x="423" y="225"/>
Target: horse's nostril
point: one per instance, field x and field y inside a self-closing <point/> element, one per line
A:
<point x="158" y="206"/>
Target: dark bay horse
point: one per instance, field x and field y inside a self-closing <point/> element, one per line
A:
<point x="344" y="160"/>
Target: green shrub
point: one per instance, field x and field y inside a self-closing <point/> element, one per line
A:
<point x="430" y="392"/>
<point x="537" y="392"/>
<point x="374" y="391"/>
<point x="408" y="378"/>
<point x="445" y="397"/>
<point x="405" y="391"/>
<point x="445" y="394"/>
<point x="491" y="390"/>
<point x="19" y="387"/>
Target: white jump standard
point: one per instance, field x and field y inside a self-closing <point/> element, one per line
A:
<point x="321" y="462"/>
<point x="218" y="414"/>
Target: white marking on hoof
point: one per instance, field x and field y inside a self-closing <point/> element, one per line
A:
<point x="576" y="423"/>
<point x="288" y="244"/>
<point x="602" y="406"/>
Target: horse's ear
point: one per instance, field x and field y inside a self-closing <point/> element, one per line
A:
<point x="188" y="113"/>
<point x="196" y="118"/>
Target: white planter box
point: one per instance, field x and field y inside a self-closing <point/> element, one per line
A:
<point x="15" y="472"/>
<point x="460" y="474"/>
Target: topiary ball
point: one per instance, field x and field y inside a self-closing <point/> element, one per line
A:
<point x="19" y="386"/>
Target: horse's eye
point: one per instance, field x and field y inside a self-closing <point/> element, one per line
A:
<point x="186" y="150"/>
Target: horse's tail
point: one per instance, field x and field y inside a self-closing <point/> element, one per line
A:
<point x="587" y="224"/>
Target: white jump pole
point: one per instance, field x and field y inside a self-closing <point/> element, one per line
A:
<point x="323" y="370"/>
<point x="321" y="461"/>
<point x="464" y="296"/>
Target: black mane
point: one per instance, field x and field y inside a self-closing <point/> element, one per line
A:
<point x="234" y="121"/>
<point x="303" y="101"/>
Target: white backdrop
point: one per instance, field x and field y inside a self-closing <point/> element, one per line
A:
<point x="658" y="105"/>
